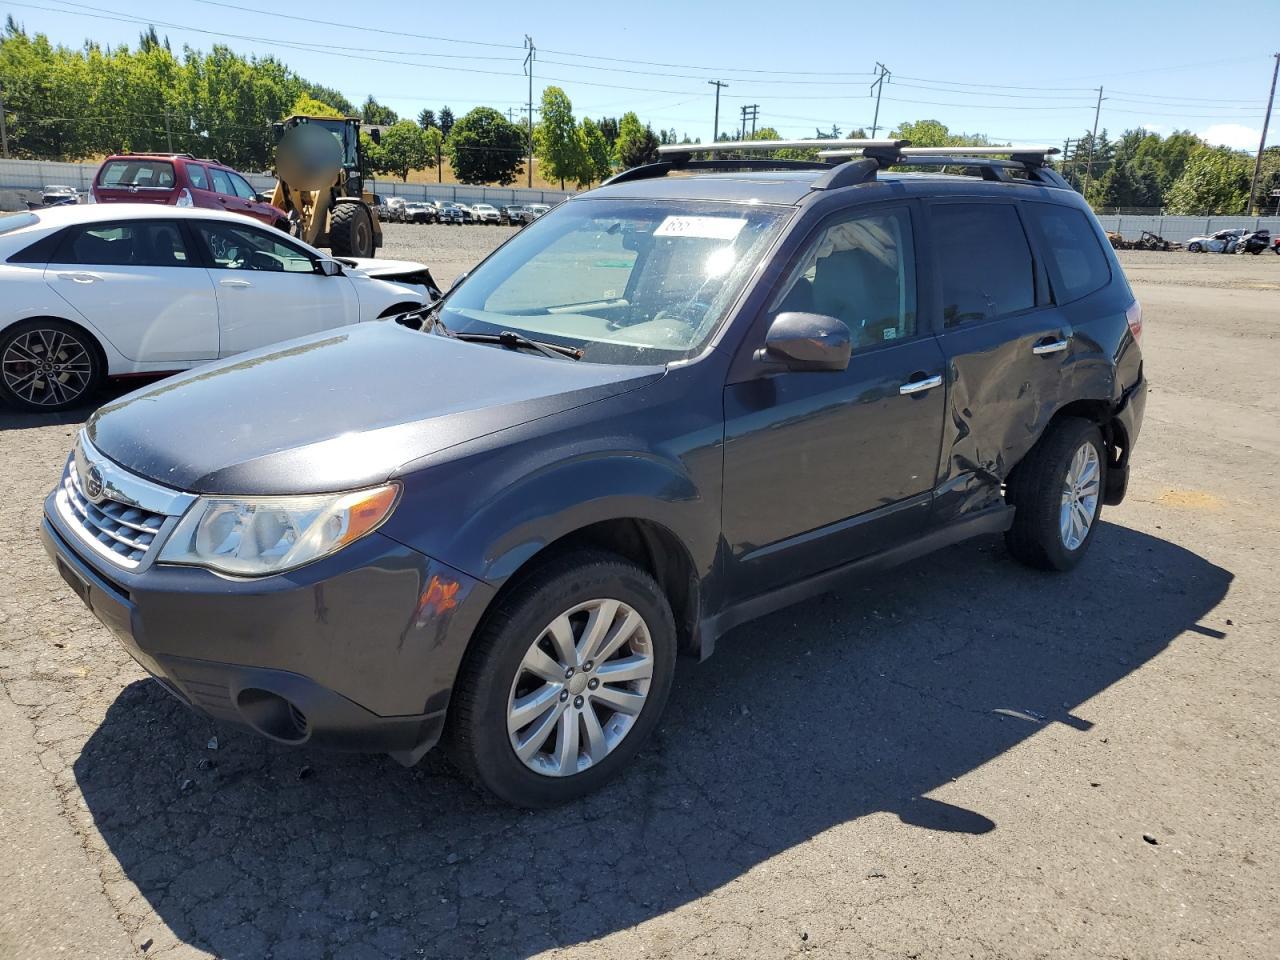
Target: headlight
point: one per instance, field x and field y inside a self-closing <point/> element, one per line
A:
<point x="256" y="536"/>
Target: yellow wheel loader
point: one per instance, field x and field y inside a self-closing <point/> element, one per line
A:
<point x="320" y="184"/>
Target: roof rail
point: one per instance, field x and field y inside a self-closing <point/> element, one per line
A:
<point x="1023" y="154"/>
<point x="683" y="161"/>
<point x="753" y="146"/>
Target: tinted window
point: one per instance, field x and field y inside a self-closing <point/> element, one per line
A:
<point x="199" y="179"/>
<point x="241" y="186"/>
<point x="1071" y="246"/>
<point x="234" y="247"/>
<point x="146" y="243"/>
<point x="860" y="270"/>
<point x="221" y="182"/>
<point x="136" y="173"/>
<point x="984" y="262"/>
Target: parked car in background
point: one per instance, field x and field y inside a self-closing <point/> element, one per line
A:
<point x="108" y="290"/>
<point x="485" y="213"/>
<point x="678" y="405"/>
<point x="180" y="180"/>
<point x="57" y="194"/>
<point x="514" y="213"/>
<point x="395" y="209"/>
<point x="1255" y="242"/>
<point x="418" y="211"/>
<point x="449" y="212"/>
<point x="536" y="210"/>
<point x="1224" y="241"/>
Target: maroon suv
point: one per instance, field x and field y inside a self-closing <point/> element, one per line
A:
<point x="180" y="180"/>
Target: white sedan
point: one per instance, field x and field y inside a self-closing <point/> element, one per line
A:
<point x="110" y="290"/>
<point x="1224" y="241"/>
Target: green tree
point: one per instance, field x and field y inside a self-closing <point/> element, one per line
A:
<point x="555" y="140"/>
<point x="609" y="130"/>
<point x="309" y="106"/>
<point x="484" y="147"/>
<point x="636" y="144"/>
<point x="374" y="112"/>
<point x="446" y="121"/>
<point x="427" y="118"/>
<point x="1214" y="181"/>
<point x="405" y="146"/>
<point x="598" y="159"/>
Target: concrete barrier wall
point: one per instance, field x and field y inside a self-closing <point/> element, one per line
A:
<point x="22" y="180"/>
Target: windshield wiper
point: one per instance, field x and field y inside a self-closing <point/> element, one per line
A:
<point x="516" y="341"/>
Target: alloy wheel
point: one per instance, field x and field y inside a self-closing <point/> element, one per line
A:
<point x="1080" y="488"/>
<point x="47" y="367"/>
<point x="580" y="687"/>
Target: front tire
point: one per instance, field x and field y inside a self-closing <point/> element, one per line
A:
<point x="1057" y="490"/>
<point x="1194" y="248"/>
<point x="351" y="231"/>
<point x="565" y="681"/>
<point x="48" y="365"/>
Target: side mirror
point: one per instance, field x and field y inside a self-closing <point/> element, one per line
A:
<point x="457" y="280"/>
<point x="330" y="268"/>
<point x="807" y="341"/>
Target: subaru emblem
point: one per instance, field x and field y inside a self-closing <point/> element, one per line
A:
<point x="93" y="484"/>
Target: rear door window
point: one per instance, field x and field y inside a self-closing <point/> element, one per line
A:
<point x="1077" y="264"/>
<point x="221" y="182"/>
<point x="144" y="174"/>
<point x="199" y="178"/>
<point x="985" y="268"/>
<point x="143" y="243"/>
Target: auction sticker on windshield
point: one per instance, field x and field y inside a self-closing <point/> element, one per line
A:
<point x="700" y="228"/>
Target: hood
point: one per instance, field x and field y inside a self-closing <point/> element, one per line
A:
<point x="395" y="271"/>
<point x="338" y="410"/>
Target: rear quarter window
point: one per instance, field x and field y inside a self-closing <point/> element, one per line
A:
<point x="136" y="173"/>
<point x="1077" y="264"/>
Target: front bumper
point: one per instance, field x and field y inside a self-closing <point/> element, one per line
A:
<point x="355" y="652"/>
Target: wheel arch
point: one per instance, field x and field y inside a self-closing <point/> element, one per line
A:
<point x="96" y="340"/>
<point x="650" y="545"/>
<point x="1102" y="413"/>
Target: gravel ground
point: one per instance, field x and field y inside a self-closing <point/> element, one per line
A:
<point x="962" y="759"/>
<point x="448" y="251"/>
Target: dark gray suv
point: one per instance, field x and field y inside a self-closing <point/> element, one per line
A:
<point x="673" y="404"/>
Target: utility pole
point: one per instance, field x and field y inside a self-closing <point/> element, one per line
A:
<point x="1093" y="142"/>
<point x="528" y="67"/>
<point x="877" y="88"/>
<point x="1262" y="144"/>
<point x="168" y="134"/>
<point x="1066" y="152"/>
<point x="715" y="132"/>
<point x="751" y="111"/>
<point x="4" y="127"/>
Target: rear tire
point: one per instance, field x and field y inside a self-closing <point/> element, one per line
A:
<point x="1057" y="490"/>
<point x="572" y="739"/>
<point x="48" y="365"/>
<point x="351" y="231"/>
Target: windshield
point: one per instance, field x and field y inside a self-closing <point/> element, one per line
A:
<point x="627" y="281"/>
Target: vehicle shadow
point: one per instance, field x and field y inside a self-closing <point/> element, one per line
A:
<point x="14" y="419"/>
<point x="852" y="704"/>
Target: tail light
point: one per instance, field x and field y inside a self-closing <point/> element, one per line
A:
<point x="184" y="199"/>
<point x="1134" y="317"/>
<point x="93" y="197"/>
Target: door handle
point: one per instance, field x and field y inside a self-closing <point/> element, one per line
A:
<point x="234" y="283"/>
<point x="1049" y="346"/>
<point x="916" y="386"/>
<point x="79" y="277"/>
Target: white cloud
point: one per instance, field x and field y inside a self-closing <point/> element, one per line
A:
<point x="1234" y="135"/>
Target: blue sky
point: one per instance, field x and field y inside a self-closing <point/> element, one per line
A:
<point x="1024" y="72"/>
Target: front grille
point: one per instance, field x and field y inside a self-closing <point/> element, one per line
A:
<point x="118" y="531"/>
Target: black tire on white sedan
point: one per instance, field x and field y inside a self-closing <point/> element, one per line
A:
<point x="48" y="364"/>
<point x="565" y="682"/>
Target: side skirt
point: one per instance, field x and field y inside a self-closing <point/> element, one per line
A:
<point x="995" y="519"/>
